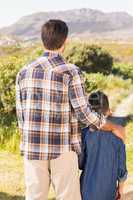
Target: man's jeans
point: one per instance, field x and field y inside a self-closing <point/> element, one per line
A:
<point x="61" y="172"/>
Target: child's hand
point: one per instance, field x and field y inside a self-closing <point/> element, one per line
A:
<point x="118" y="195"/>
<point x="121" y="194"/>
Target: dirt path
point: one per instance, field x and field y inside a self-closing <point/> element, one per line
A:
<point x="126" y="107"/>
<point x="129" y="188"/>
<point x="123" y="110"/>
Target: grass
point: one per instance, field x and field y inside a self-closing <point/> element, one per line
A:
<point x="130" y="146"/>
<point x="12" y="177"/>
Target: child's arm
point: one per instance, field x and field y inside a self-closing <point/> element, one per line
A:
<point x="119" y="192"/>
<point x="122" y="170"/>
<point x="121" y="189"/>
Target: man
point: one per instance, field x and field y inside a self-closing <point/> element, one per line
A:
<point x="49" y="92"/>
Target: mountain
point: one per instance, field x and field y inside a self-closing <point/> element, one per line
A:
<point x="82" y="22"/>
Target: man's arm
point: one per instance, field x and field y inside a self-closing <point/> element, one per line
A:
<point x="79" y="102"/>
<point x="83" y="112"/>
<point x="19" y="111"/>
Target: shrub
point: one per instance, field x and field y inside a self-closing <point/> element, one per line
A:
<point x="125" y="70"/>
<point x="90" y="58"/>
<point x="9" y="67"/>
<point x="95" y="81"/>
<point x="9" y="137"/>
<point x="8" y="70"/>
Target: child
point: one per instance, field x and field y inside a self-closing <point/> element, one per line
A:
<point x="103" y="157"/>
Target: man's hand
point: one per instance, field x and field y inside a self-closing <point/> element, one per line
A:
<point x="118" y="130"/>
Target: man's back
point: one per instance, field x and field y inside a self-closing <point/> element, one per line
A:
<point x="103" y="163"/>
<point x="45" y="106"/>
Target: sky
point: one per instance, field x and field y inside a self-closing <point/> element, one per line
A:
<point x="12" y="10"/>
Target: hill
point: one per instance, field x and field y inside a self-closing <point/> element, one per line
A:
<point x="82" y="22"/>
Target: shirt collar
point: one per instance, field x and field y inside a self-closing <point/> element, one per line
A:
<point x="57" y="57"/>
<point x="51" y="54"/>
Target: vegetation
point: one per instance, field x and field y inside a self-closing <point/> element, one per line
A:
<point x="90" y="58"/>
<point x="116" y="80"/>
<point x="126" y="71"/>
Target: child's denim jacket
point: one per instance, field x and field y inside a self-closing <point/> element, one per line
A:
<point x="103" y="163"/>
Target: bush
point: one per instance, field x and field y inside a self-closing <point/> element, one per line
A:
<point x="90" y="58"/>
<point x="9" y="67"/>
<point x="9" y="138"/>
<point x="8" y="70"/>
<point x="125" y="70"/>
<point x="95" y="81"/>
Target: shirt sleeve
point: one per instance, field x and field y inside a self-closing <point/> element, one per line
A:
<point x="122" y="169"/>
<point x="79" y="102"/>
<point x="19" y="110"/>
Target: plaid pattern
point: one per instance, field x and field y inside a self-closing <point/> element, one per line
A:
<point x="49" y="93"/>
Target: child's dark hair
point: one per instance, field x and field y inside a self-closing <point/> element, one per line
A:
<point x="99" y="102"/>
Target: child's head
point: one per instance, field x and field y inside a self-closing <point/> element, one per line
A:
<point x="99" y="102"/>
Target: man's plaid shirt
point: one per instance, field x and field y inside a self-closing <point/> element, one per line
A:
<point x="49" y="93"/>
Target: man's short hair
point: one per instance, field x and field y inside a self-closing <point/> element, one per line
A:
<point x="99" y="102"/>
<point x="54" y="33"/>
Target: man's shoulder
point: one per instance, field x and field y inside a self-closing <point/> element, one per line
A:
<point x="69" y="69"/>
<point x="34" y="65"/>
<point x="73" y="69"/>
